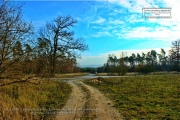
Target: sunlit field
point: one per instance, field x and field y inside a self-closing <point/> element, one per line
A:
<point x="69" y="75"/>
<point x="136" y="73"/>
<point x="143" y="97"/>
<point x="32" y="101"/>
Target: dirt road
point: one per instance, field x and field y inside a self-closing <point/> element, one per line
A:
<point x="87" y="102"/>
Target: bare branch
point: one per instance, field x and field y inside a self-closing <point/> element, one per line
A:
<point x="20" y="81"/>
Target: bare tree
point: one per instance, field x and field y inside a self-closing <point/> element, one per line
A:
<point x="175" y="54"/>
<point x="153" y="57"/>
<point x="163" y="60"/>
<point x="12" y="32"/>
<point x="60" y="39"/>
<point x="132" y="60"/>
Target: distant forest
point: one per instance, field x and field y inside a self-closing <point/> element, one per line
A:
<point x="142" y="62"/>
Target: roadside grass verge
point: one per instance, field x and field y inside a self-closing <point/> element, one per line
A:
<point x="136" y="73"/>
<point x="143" y="97"/>
<point x="69" y="75"/>
<point x="33" y="101"/>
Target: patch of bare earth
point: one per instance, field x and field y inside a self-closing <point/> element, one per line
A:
<point x="87" y="102"/>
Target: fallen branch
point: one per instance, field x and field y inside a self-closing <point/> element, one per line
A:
<point x="20" y="81"/>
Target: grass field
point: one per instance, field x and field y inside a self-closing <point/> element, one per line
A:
<point x="143" y="97"/>
<point x="69" y="75"/>
<point x="136" y="73"/>
<point x="32" y="101"/>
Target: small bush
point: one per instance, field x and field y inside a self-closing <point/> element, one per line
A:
<point x="144" y="69"/>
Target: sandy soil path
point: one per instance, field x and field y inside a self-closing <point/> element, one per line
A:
<point x="86" y="103"/>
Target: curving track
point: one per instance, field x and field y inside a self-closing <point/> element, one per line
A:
<point x="87" y="102"/>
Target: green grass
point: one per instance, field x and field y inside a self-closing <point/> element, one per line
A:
<point x="30" y="101"/>
<point x="144" y="97"/>
<point x="136" y="73"/>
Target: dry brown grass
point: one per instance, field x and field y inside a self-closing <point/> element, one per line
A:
<point x="68" y="75"/>
<point x="32" y="101"/>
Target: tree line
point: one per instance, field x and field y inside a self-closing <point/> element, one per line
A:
<point x="145" y="62"/>
<point x="52" y="49"/>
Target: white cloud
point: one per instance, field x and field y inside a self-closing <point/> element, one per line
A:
<point x="115" y="22"/>
<point x="168" y="29"/>
<point x="100" y="20"/>
<point x="134" y="6"/>
<point x="96" y="27"/>
<point x="157" y="33"/>
<point x="90" y="14"/>
<point x="101" y="34"/>
<point x="118" y="25"/>
<point x="135" y="18"/>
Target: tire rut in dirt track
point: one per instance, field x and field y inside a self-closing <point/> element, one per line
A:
<point x="89" y="106"/>
<point x="85" y="103"/>
<point x="72" y="109"/>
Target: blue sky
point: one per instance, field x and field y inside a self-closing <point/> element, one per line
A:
<point x="111" y="26"/>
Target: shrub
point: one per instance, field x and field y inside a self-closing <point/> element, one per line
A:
<point x="144" y="69"/>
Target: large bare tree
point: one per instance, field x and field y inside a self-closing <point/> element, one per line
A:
<point x="13" y="31"/>
<point x="59" y="40"/>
